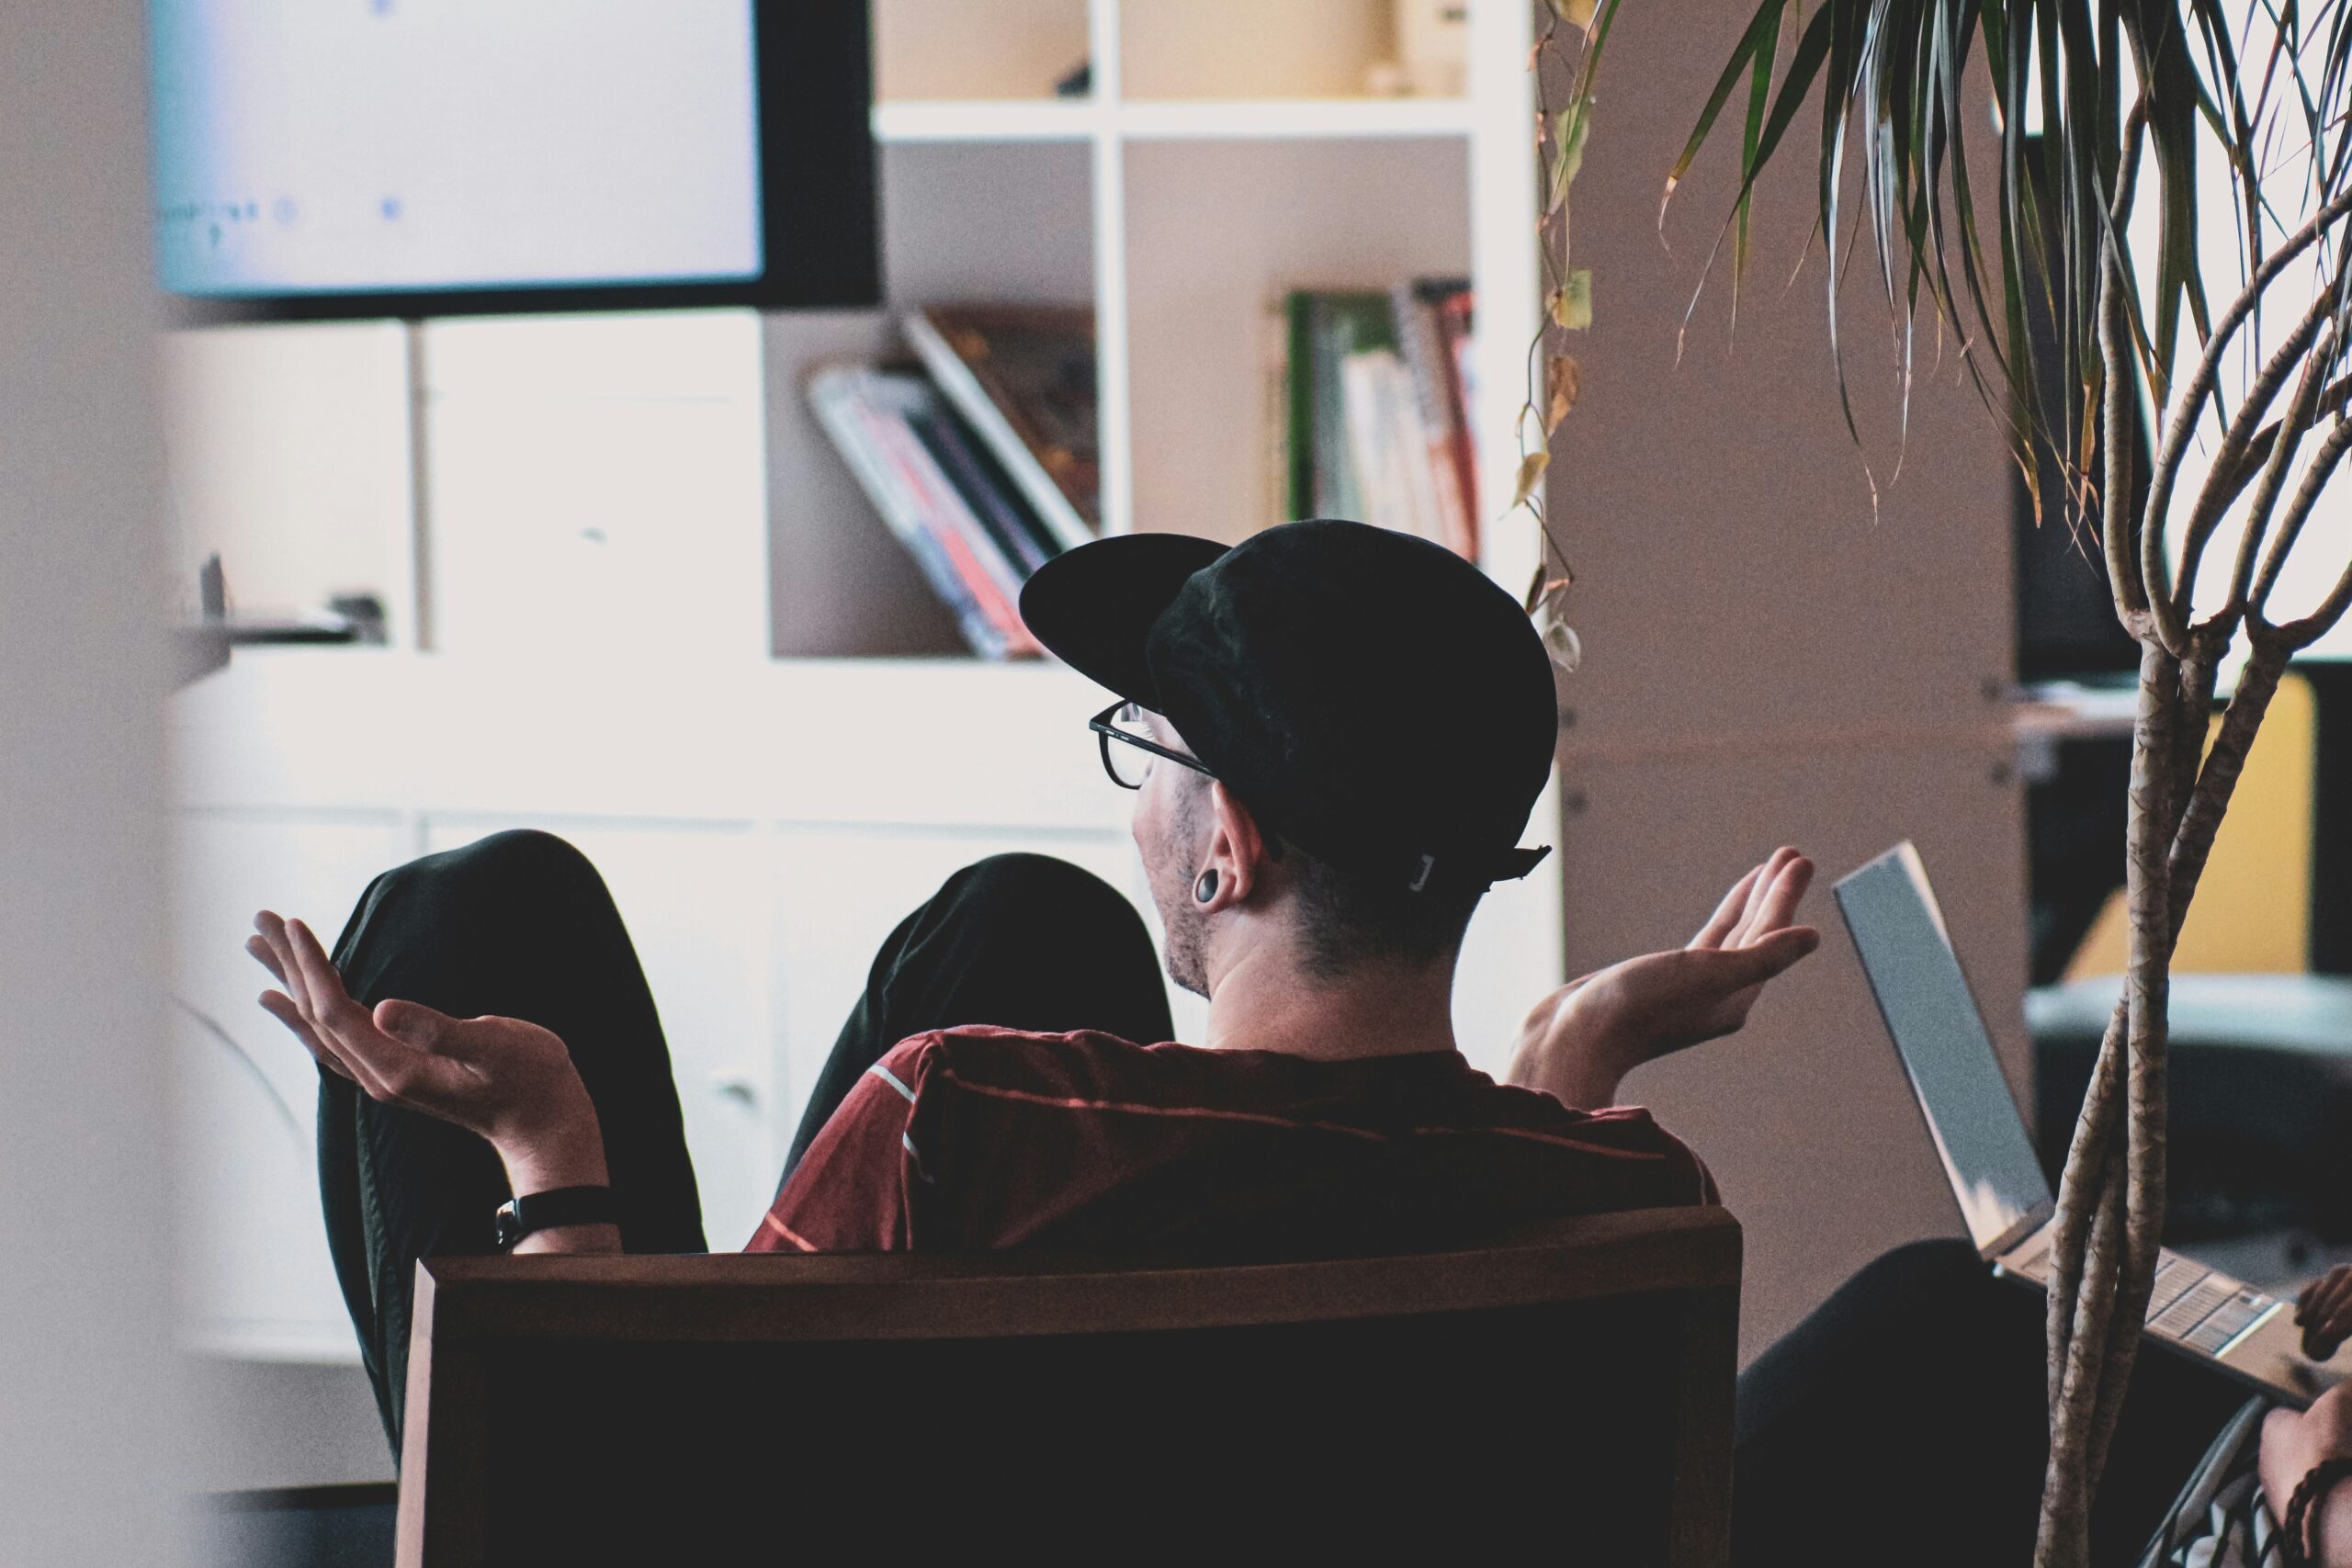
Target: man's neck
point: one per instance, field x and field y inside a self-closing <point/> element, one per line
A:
<point x="1266" y="1001"/>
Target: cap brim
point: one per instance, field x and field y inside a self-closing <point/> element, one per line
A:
<point x="1093" y="607"/>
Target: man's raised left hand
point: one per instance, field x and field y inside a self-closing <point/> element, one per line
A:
<point x="1582" y="1040"/>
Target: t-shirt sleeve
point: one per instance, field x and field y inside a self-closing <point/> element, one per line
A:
<point x="849" y="1192"/>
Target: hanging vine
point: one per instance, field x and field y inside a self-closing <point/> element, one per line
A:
<point x="1568" y="51"/>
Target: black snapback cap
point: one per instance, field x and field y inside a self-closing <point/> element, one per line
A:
<point x="1371" y="696"/>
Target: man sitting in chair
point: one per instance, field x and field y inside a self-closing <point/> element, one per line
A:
<point x="1335" y="735"/>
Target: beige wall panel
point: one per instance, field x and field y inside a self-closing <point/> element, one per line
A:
<point x="1804" y="1117"/>
<point x="1766" y="662"/>
<point x="1716" y="512"/>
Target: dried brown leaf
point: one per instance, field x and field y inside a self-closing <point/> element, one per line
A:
<point x="1563" y="382"/>
<point x="1560" y="639"/>
<point x="1531" y="474"/>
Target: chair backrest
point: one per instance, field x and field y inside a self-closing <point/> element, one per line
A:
<point x="1567" y="1385"/>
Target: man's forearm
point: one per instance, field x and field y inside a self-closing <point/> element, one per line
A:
<point x="1584" y="1078"/>
<point x="567" y="1152"/>
<point x="1559" y="1055"/>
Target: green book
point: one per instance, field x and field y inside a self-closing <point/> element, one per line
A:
<point x="1325" y="328"/>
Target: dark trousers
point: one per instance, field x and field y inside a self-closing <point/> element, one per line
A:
<point x="520" y="925"/>
<point x="1901" y="1422"/>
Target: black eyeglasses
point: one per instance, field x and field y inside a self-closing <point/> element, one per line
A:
<point x="1125" y="722"/>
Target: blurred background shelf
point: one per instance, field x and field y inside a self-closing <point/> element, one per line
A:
<point x="1203" y="119"/>
<point x="985" y="120"/>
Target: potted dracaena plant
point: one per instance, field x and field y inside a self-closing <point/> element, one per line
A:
<point x="2067" y="217"/>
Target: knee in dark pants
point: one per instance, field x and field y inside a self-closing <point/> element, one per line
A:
<point x="1026" y="881"/>
<point x="522" y="863"/>
<point x="518" y="857"/>
<point x="1923" y="1273"/>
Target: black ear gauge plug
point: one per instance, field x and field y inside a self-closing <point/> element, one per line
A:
<point x="1206" y="888"/>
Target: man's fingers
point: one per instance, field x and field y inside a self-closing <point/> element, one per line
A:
<point x="266" y="956"/>
<point x="2326" y="1294"/>
<point x="1778" y="905"/>
<point x="330" y="1006"/>
<point x="415" y="1025"/>
<point x="281" y="1007"/>
<point x="1756" y="890"/>
<point x="379" y="1062"/>
<point x="1767" y="877"/>
<point x="2331" y="1311"/>
<point x="1775" y="953"/>
<point x="1726" y="915"/>
<point x="271" y="928"/>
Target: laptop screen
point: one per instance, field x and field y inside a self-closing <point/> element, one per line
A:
<point x="1905" y="950"/>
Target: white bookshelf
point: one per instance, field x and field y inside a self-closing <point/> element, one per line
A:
<point x="1208" y="119"/>
<point x="1456" y="174"/>
<point x="772" y="790"/>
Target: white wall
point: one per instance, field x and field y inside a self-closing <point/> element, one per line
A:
<point x="86" y="1377"/>
<point x="1765" y="662"/>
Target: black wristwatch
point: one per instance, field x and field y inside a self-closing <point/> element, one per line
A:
<point x="518" y="1217"/>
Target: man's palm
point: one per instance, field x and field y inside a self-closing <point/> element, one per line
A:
<point x="1645" y="1007"/>
<point x="1675" y="1000"/>
<point x="495" y="1076"/>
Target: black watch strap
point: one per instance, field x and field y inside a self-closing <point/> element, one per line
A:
<point x="518" y="1217"/>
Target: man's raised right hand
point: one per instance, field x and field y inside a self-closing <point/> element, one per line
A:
<point x="510" y="1081"/>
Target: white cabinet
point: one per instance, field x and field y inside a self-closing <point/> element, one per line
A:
<point x="254" y="1273"/>
<point x="594" y="480"/>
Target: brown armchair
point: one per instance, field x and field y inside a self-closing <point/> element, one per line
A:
<point x="1565" y="1388"/>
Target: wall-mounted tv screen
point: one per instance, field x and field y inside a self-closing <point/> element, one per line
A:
<point x="339" y="158"/>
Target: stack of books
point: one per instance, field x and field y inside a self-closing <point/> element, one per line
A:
<point x="980" y="455"/>
<point x="1372" y="398"/>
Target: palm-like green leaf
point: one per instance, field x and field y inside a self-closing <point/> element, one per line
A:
<point x="1894" y="83"/>
<point x="2095" y="260"/>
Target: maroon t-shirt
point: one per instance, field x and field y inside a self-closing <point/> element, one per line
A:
<point x="966" y="1139"/>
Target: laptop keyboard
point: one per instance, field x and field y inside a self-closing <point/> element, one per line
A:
<point x="2190" y="1304"/>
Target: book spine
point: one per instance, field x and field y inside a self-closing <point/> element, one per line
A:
<point x="943" y="436"/>
<point x="1386" y="443"/>
<point x="964" y="389"/>
<point x="1337" y="494"/>
<point x="1454" y="317"/>
<point x="851" y="422"/>
<point x="959" y="534"/>
<point x="1417" y="456"/>
<point x="1344" y="323"/>
<point x="1277" y="414"/>
<point x="1299" y="375"/>
<point x="1422" y="343"/>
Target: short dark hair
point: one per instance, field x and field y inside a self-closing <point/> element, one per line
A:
<point x="1347" y="921"/>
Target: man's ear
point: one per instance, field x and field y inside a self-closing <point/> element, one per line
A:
<point x="1237" y="851"/>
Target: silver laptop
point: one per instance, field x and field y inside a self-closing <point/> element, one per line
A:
<point x="2005" y="1199"/>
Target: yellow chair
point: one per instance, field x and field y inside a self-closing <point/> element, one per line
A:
<point x="2252" y="913"/>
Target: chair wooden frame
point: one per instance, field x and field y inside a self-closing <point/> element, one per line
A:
<point x="469" y="1309"/>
